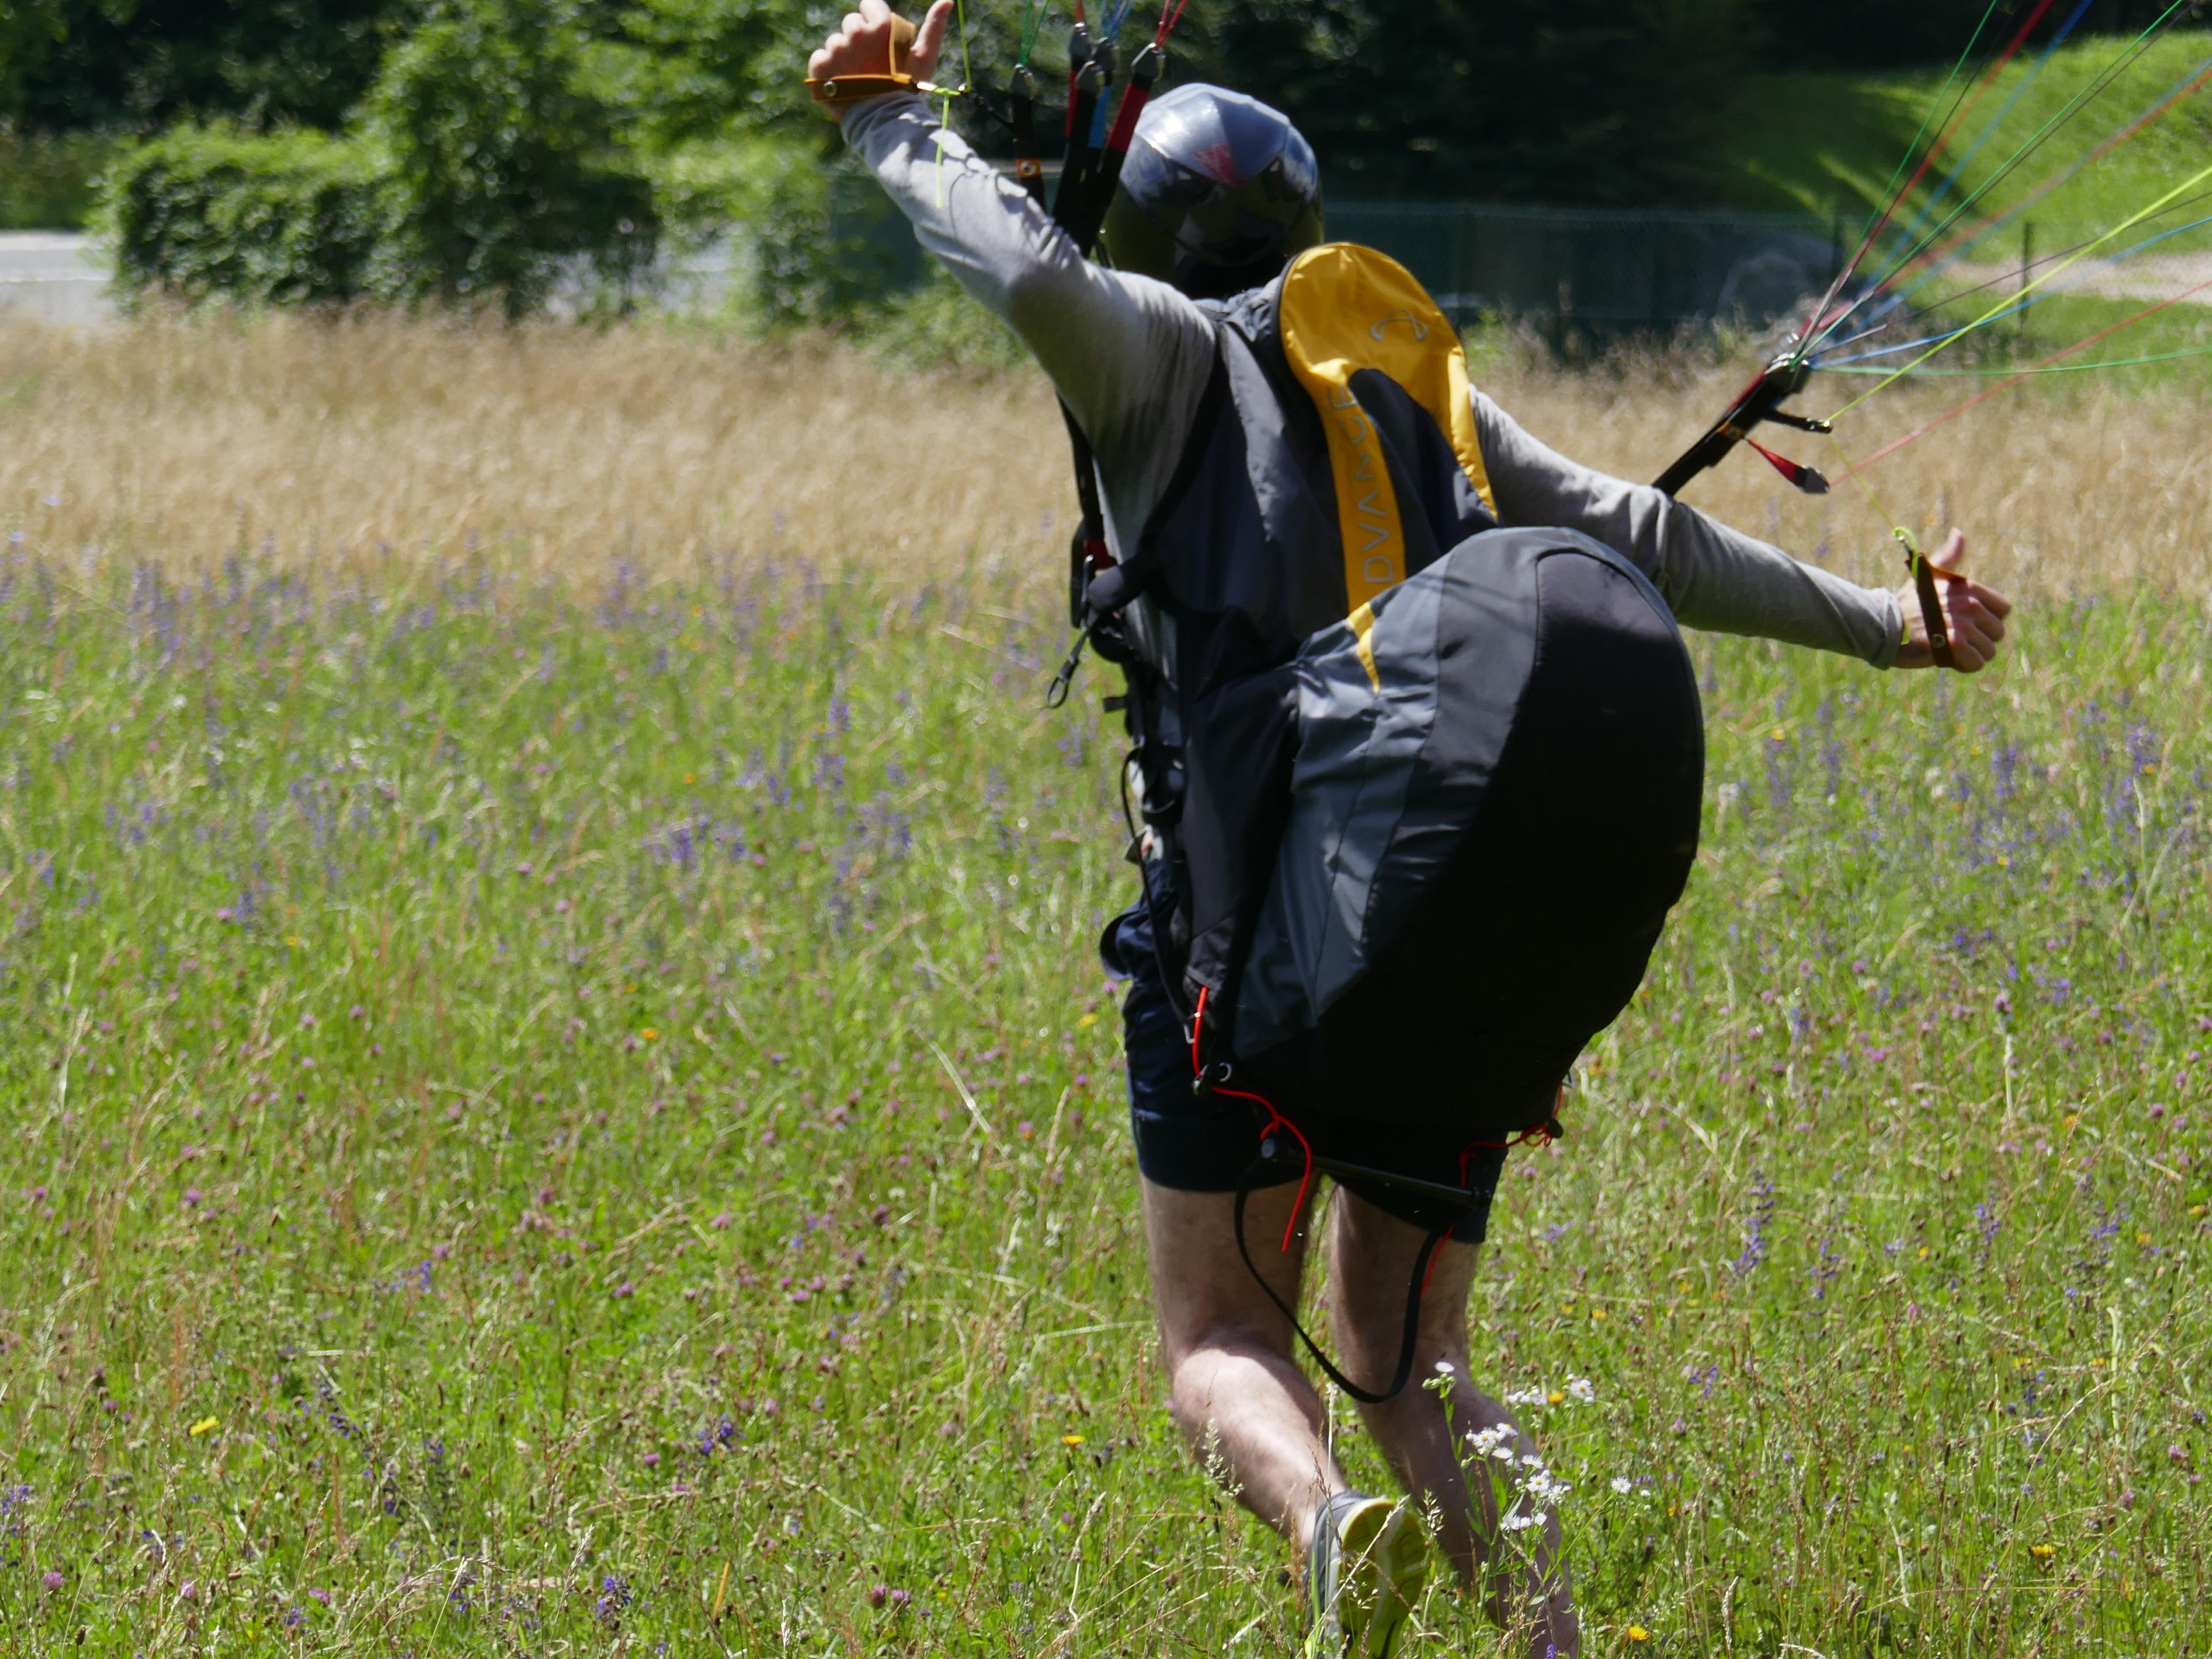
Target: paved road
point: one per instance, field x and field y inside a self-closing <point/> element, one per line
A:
<point x="53" y="276"/>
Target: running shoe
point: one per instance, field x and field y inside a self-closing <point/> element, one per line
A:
<point x="1369" y="1563"/>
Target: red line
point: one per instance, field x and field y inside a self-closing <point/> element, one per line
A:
<point x="1167" y="20"/>
<point x="1125" y="118"/>
<point x="1928" y="157"/>
<point x="1966" y="236"/>
<point x="1991" y="391"/>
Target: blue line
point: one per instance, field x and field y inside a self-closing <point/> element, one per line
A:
<point x="1990" y="126"/>
<point x="2014" y="310"/>
<point x="1998" y="224"/>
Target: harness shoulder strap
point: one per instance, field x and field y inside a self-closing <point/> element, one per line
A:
<point x="1349" y="312"/>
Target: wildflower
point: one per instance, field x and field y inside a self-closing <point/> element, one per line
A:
<point x="53" y="1579"/>
<point x="202" y="1426"/>
<point x="652" y="1460"/>
<point x="1637" y="1633"/>
<point x="1445" y="1368"/>
<point x="1622" y="1484"/>
<point x="323" y="1596"/>
<point x="2043" y="1551"/>
<point x="1554" y="1398"/>
<point x="900" y="1598"/>
<point x="189" y="1590"/>
<point x="1582" y="1389"/>
<point x="879" y="1593"/>
<point x="1071" y="1440"/>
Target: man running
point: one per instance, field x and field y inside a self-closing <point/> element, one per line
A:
<point x="1219" y="193"/>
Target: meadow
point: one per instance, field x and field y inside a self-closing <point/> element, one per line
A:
<point x="565" y="1102"/>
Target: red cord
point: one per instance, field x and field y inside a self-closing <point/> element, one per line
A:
<point x="1928" y="157"/>
<point x="1988" y="392"/>
<point x="1275" y="1119"/>
<point x="1168" y="18"/>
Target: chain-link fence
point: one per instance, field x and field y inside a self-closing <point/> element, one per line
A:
<point x="1601" y="271"/>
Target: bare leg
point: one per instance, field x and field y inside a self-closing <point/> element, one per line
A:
<point x="1234" y="1389"/>
<point x="1369" y="1256"/>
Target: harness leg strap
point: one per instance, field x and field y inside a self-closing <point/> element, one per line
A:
<point x="1414" y="1283"/>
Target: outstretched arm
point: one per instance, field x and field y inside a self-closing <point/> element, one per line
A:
<point x="1130" y="356"/>
<point x="1720" y="580"/>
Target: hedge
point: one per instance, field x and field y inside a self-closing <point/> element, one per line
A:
<point x="287" y="219"/>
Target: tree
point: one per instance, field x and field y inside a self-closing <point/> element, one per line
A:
<point x="502" y="158"/>
<point x="1579" y="101"/>
<point x="138" y="65"/>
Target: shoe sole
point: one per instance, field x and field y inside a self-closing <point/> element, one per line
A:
<point x="1386" y="1562"/>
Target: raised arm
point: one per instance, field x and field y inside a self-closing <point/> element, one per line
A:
<point x="1128" y="356"/>
<point x="1720" y="580"/>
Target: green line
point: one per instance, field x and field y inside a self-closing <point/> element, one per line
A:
<point x="2048" y="368"/>
<point x="2066" y="112"/>
<point x="2007" y="304"/>
<point x="1913" y="149"/>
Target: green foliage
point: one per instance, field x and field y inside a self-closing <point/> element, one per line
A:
<point x="48" y="180"/>
<point x="1584" y="101"/>
<point x="493" y="1167"/>
<point x="29" y="31"/>
<point x="504" y="162"/>
<point x="935" y="324"/>
<point x="135" y="64"/>
<point x="287" y="219"/>
<point x="687" y="70"/>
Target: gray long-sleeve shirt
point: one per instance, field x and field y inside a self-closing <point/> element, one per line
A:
<point x="1131" y="357"/>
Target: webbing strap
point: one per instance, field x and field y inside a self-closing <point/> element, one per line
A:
<point x="1931" y="602"/>
<point x="1414" y="1283"/>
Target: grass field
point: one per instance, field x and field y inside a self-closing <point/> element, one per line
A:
<point x="566" y="1103"/>
<point x="381" y="448"/>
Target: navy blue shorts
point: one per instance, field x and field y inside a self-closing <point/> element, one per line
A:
<point x="1196" y="1142"/>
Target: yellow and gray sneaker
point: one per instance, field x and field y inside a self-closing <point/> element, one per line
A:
<point x="1368" y="1565"/>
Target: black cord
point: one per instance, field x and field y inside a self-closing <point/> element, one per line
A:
<point x="1405" y="1371"/>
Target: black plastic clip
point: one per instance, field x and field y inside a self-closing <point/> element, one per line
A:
<point x="1056" y="694"/>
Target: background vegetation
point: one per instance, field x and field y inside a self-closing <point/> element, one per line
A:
<point x="512" y="147"/>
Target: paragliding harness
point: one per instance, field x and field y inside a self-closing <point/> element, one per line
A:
<point x="1353" y="627"/>
<point x="1356" y="661"/>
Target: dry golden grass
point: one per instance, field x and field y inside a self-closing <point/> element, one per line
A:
<point x="332" y="445"/>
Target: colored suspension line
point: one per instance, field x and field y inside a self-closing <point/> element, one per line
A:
<point x="1960" y="245"/>
<point x="1987" y="392"/>
<point x="2050" y="369"/>
<point x="2155" y="207"/>
<point x="2195" y="78"/>
<point x="1827" y="326"/>
<point x="1892" y="195"/>
<point x="1990" y="127"/>
<point x="2020" y="305"/>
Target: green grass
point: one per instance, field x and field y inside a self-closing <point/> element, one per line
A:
<point x="1830" y="143"/>
<point x="487" y="1175"/>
